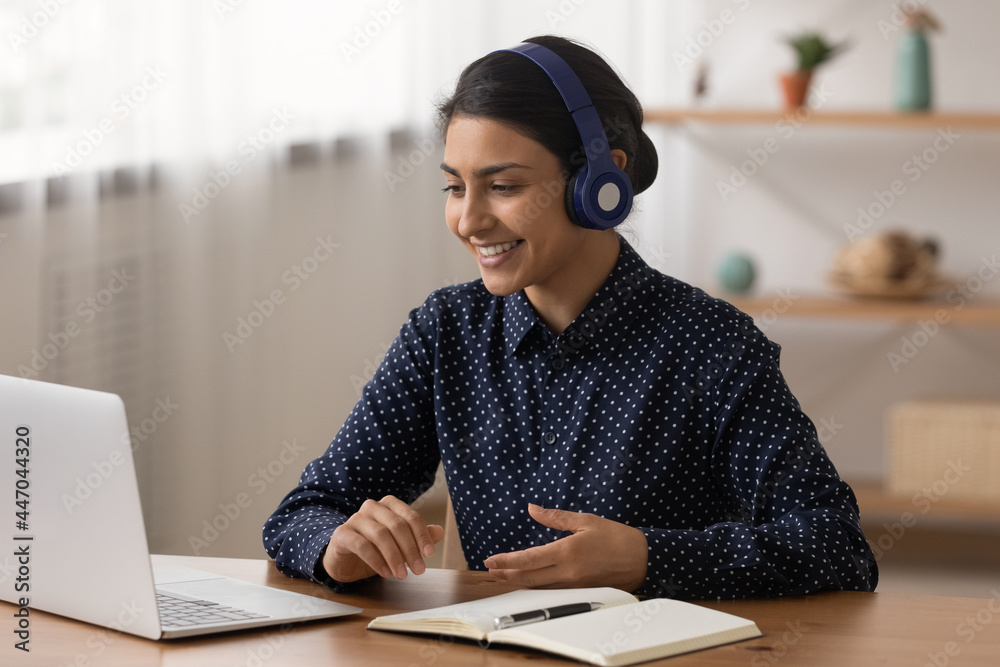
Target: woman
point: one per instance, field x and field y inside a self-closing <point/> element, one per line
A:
<point x="600" y="423"/>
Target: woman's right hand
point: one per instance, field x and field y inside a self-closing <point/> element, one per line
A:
<point x="382" y="537"/>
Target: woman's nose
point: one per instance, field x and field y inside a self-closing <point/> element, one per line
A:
<point x="477" y="216"/>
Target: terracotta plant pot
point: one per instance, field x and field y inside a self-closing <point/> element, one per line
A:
<point x="795" y="86"/>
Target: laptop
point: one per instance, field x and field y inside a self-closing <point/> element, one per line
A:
<point x="75" y="536"/>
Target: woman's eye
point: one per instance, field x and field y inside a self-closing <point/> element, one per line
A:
<point x="505" y="189"/>
<point x="453" y="189"/>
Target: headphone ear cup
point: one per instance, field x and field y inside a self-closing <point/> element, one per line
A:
<point x="570" y="205"/>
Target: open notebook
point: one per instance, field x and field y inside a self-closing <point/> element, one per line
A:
<point x="622" y="632"/>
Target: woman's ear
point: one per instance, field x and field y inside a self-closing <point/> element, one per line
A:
<point x="618" y="155"/>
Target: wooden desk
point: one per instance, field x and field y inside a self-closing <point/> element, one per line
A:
<point x="833" y="629"/>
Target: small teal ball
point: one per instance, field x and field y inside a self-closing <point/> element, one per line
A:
<point x="737" y="273"/>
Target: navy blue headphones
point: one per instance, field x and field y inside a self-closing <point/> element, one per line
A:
<point x="599" y="195"/>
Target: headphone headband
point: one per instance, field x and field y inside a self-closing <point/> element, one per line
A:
<point x="600" y="193"/>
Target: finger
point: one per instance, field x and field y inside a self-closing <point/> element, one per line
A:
<point x="348" y="542"/>
<point x="545" y="577"/>
<point x="421" y="535"/>
<point x="436" y="532"/>
<point x="558" y="519"/>
<point x="527" y="559"/>
<point x="391" y="534"/>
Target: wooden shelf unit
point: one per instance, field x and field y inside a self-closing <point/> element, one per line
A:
<point x="877" y="503"/>
<point x="882" y="119"/>
<point x="973" y="312"/>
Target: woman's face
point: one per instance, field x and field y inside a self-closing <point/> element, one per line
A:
<point x="505" y="202"/>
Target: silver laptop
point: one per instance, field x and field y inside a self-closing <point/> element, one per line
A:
<point x="74" y="532"/>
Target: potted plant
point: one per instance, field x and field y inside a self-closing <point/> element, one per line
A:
<point x="811" y="50"/>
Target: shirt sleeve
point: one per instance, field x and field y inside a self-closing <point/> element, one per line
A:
<point x="794" y="524"/>
<point x="388" y="445"/>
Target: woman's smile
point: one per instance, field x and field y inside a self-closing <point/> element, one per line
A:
<point x="494" y="256"/>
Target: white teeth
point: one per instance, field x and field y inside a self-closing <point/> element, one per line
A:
<point x="492" y="250"/>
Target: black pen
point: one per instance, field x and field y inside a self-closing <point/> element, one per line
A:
<point x="536" y="615"/>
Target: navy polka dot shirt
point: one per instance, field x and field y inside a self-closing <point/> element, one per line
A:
<point x="659" y="407"/>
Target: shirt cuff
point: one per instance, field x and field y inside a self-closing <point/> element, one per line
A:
<point x="657" y="585"/>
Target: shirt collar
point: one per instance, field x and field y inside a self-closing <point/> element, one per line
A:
<point x="518" y="319"/>
<point x="608" y="313"/>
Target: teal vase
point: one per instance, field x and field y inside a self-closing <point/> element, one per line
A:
<point x="913" y="72"/>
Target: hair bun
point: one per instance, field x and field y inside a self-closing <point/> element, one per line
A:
<point x="647" y="164"/>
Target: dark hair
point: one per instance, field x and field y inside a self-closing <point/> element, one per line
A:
<point x="511" y="89"/>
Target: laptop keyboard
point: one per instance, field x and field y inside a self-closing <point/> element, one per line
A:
<point x="180" y="611"/>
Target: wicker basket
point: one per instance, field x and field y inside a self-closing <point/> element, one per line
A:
<point x="945" y="448"/>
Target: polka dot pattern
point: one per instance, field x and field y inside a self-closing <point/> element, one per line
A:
<point x="659" y="407"/>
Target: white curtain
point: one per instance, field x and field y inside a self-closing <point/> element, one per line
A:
<point x="99" y="84"/>
<point x="228" y="161"/>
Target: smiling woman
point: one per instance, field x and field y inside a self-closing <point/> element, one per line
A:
<point x="599" y="423"/>
<point x="509" y="211"/>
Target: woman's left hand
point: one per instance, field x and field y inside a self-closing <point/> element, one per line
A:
<point x="600" y="552"/>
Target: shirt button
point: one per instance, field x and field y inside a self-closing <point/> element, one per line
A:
<point x="557" y="364"/>
<point x="549" y="438"/>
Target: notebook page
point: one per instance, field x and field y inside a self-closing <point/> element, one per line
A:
<point x="632" y="633"/>
<point x="482" y="613"/>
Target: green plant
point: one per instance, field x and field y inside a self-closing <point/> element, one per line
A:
<point x="812" y="50"/>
